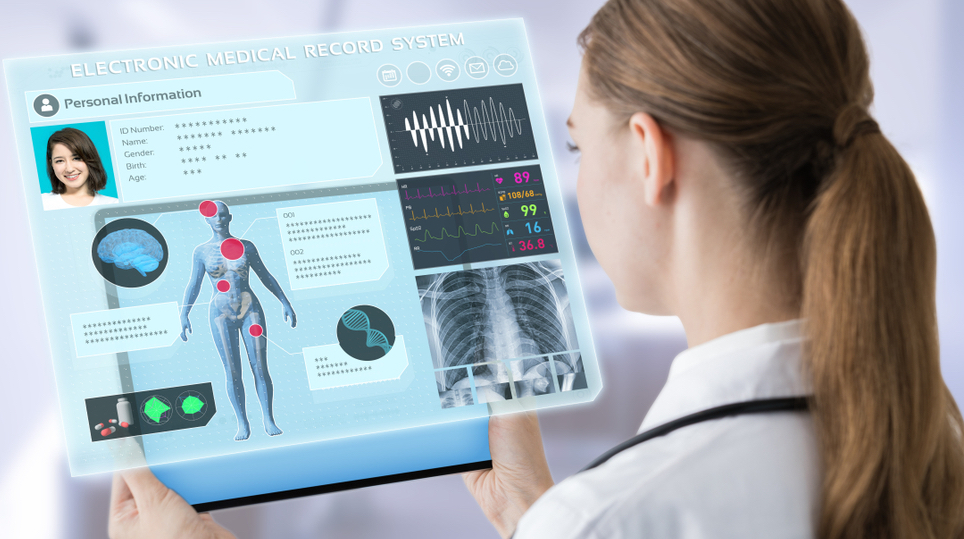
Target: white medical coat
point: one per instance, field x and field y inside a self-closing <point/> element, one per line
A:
<point x="749" y="476"/>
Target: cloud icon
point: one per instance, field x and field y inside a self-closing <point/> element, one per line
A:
<point x="505" y="65"/>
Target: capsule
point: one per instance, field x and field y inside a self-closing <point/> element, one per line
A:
<point x="124" y="424"/>
<point x="108" y="431"/>
<point x="98" y="426"/>
<point x="112" y="421"/>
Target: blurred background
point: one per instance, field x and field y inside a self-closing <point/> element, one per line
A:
<point x="917" y="52"/>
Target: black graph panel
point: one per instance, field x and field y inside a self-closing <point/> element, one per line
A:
<point x="458" y="128"/>
<point x="477" y="216"/>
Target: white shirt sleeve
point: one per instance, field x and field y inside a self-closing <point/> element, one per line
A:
<point x="53" y="201"/>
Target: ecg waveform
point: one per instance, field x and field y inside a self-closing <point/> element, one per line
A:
<point x="459" y="233"/>
<point x="459" y="128"/>
<point x="449" y="213"/>
<point x="458" y="256"/>
<point x="478" y="216"/>
<point x="455" y="191"/>
<point x="493" y="122"/>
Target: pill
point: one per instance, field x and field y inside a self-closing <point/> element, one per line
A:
<point x="98" y="426"/>
<point x="108" y="431"/>
<point x="124" y="424"/>
<point x="112" y="421"/>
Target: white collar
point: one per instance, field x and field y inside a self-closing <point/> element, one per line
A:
<point x="762" y="362"/>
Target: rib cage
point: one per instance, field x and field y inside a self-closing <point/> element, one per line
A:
<point x="540" y="313"/>
<point x="491" y="314"/>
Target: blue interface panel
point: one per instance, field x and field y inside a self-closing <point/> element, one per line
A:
<point x="249" y="249"/>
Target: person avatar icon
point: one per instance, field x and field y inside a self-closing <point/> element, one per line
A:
<point x="236" y="314"/>
<point x="46" y="107"/>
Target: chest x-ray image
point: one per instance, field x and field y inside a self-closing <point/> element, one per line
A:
<point x="570" y="372"/>
<point x="532" y="376"/>
<point x="483" y="316"/>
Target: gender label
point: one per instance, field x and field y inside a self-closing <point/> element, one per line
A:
<point x="125" y="330"/>
<point x="333" y="244"/>
<point x="330" y="366"/>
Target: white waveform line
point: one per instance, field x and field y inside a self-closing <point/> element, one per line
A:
<point x="443" y="124"/>
<point x="490" y="120"/>
<point x="498" y="123"/>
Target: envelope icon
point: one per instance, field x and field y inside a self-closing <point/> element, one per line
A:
<point x="477" y="68"/>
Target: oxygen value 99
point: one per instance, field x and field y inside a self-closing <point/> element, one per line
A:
<point x="528" y="210"/>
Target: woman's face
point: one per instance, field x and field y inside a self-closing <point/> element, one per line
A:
<point x="627" y="237"/>
<point x="68" y="167"/>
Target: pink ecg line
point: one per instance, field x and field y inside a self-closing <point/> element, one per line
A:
<point x="455" y="191"/>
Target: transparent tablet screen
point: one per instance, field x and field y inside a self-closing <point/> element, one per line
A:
<point x="257" y="244"/>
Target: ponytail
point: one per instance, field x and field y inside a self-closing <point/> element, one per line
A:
<point x="780" y="90"/>
<point x="889" y="428"/>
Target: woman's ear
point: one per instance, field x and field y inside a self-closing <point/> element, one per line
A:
<point x="652" y="145"/>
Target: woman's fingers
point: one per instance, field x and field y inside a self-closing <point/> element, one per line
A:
<point x="119" y="493"/>
<point x="145" y="488"/>
<point x="519" y="474"/>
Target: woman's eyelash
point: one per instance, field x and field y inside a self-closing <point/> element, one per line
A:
<point x="572" y="147"/>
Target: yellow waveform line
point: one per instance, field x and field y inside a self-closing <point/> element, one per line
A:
<point x="448" y="212"/>
<point x="461" y="231"/>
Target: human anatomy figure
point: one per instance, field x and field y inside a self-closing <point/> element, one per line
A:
<point x="235" y="312"/>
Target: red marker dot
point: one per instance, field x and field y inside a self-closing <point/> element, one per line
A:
<point x="208" y="208"/>
<point x="232" y="248"/>
<point x="223" y="286"/>
<point x="255" y="330"/>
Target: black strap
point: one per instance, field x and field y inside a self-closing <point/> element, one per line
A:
<point x="737" y="408"/>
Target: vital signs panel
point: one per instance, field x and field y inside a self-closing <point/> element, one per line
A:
<point x="296" y="240"/>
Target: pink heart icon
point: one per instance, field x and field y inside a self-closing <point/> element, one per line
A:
<point x="498" y="181"/>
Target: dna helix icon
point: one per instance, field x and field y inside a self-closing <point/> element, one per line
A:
<point x="356" y="320"/>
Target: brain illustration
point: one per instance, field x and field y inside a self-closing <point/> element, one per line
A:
<point x="131" y="248"/>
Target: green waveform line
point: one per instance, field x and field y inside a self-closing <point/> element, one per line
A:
<point x="461" y="231"/>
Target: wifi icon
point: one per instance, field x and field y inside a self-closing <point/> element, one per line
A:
<point x="447" y="70"/>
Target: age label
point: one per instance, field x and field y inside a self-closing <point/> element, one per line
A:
<point x="333" y="244"/>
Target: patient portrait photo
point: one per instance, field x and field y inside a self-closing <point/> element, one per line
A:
<point x="70" y="166"/>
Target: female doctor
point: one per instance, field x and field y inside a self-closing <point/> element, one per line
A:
<point x="759" y="202"/>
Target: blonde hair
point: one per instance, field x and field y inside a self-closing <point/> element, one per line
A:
<point x="780" y="89"/>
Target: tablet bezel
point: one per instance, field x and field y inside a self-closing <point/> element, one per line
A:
<point x="336" y="487"/>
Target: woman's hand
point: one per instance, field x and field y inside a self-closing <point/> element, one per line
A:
<point x="289" y="313"/>
<point x="142" y="506"/>
<point x="519" y="473"/>
<point x="185" y="327"/>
